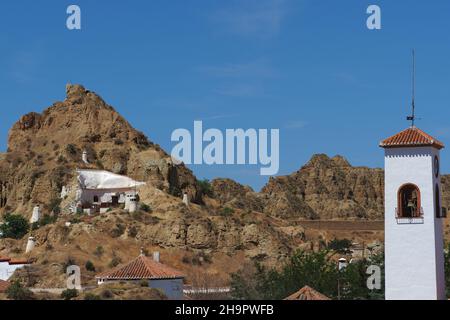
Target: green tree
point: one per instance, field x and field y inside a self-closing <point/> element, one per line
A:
<point x="90" y="266"/>
<point x="318" y="270"/>
<point x="205" y="187"/>
<point x="315" y="269"/>
<point x="226" y="211"/>
<point x="69" y="294"/>
<point x="15" y="226"/>
<point x="17" y="292"/>
<point x="341" y="246"/>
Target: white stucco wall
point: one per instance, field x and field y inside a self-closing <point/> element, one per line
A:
<point x="172" y="288"/>
<point x="413" y="249"/>
<point x="7" y="270"/>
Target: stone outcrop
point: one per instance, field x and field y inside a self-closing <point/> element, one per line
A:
<point x="327" y="188"/>
<point x="45" y="148"/>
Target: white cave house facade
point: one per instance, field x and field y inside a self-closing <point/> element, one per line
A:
<point x="101" y="190"/>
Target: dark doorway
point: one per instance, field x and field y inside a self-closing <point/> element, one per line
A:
<point x="115" y="200"/>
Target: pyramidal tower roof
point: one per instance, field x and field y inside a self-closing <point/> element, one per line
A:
<point x="411" y="137"/>
<point x="141" y="268"/>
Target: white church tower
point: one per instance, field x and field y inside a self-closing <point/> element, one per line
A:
<point x="414" y="253"/>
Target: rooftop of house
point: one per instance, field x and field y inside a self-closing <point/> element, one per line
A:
<point x="12" y="261"/>
<point x="141" y="268"/>
<point x="307" y="293"/>
<point x="411" y="137"/>
<point x="102" y="179"/>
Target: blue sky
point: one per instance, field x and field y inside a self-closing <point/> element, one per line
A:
<point x="308" y="67"/>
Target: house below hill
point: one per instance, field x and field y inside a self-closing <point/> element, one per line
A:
<point x="307" y="293"/>
<point x="151" y="271"/>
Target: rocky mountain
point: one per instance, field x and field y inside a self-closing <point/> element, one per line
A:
<point x="44" y="151"/>
<point x="225" y="224"/>
<point x="45" y="148"/>
<point x="325" y="188"/>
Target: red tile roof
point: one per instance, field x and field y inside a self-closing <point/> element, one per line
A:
<point x="14" y="261"/>
<point x="411" y="137"/>
<point x="4" y="285"/>
<point x="17" y="261"/>
<point x="307" y="293"/>
<point x="141" y="268"/>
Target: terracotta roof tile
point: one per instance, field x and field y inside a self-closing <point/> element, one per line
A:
<point x="12" y="261"/>
<point x="141" y="268"/>
<point x="4" y="285"/>
<point x="411" y="137"/>
<point x="18" y="261"/>
<point x="307" y="293"/>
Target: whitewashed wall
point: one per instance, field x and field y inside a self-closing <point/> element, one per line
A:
<point x="7" y="270"/>
<point x="413" y="249"/>
<point x="172" y="288"/>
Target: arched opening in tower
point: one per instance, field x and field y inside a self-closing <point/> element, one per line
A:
<point x="409" y="201"/>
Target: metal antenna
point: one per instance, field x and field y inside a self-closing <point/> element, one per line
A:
<point x="412" y="117"/>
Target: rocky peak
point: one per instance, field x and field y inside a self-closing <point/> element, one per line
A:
<point x="45" y="148"/>
<point x="324" y="161"/>
<point x="76" y="94"/>
<point x="340" y="161"/>
<point x="328" y="188"/>
<point x="73" y="90"/>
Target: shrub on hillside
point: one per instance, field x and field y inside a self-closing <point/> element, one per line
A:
<point x="90" y="266"/>
<point x="340" y="245"/>
<point x="145" y="207"/>
<point x="205" y="187"/>
<point x="14" y="226"/>
<point x="17" y="292"/>
<point x="69" y="294"/>
<point x="226" y="212"/>
<point x="99" y="251"/>
<point x="115" y="261"/>
<point x="91" y="296"/>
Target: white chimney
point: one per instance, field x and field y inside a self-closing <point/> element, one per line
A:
<point x="131" y="203"/>
<point x="36" y="214"/>
<point x="342" y="264"/>
<point x="156" y="256"/>
<point x="186" y="199"/>
<point x="85" y="157"/>
<point x="64" y="192"/>
<point x="30" y="244"/>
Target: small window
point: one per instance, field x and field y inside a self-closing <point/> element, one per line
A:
<point x="437" y="202"/>
<point x="95" y="199"/>
<point x="409" y="201"/>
